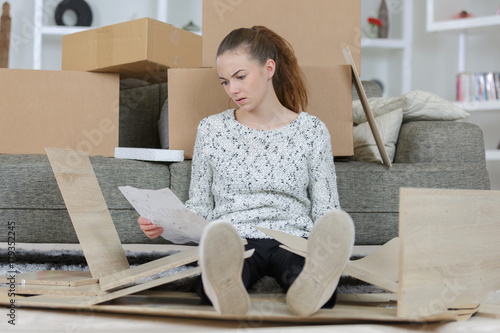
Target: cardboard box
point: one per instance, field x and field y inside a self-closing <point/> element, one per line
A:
<point x="195" y="93"/>
<point x="318" y="30"/>
<point x="59" y="109"/>
<point x="141" y="49"/>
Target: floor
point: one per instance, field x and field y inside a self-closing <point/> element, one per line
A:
<point x="47" y="320"/>
<point x="32" y="320"/>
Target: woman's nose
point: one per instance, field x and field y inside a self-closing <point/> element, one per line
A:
<point x="233" y="88"/>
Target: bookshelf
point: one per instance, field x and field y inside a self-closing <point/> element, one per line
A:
<point x="438" y="14"/>
<point x="479" y="106"/>
<point x="439" y="20"/>
<point x="388" y="59"/>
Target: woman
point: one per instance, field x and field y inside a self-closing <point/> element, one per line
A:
<point x="265" y="164"/>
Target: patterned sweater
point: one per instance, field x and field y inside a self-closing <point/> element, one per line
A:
<point x="282" y="179"/>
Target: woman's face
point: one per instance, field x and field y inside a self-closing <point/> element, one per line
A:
<point x="245" y="81"/>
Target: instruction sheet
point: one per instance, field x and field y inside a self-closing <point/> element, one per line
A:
<point x="162" y="207"/>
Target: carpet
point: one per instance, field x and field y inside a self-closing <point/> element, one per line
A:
<point x="65" y="260"/>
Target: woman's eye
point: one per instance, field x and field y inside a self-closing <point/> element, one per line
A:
<point x="241" y="77"/>
<point x="224" y="83"/>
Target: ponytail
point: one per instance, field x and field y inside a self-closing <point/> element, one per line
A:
<point x="262" y="44"/>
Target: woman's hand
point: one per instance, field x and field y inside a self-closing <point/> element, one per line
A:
<point x="151" y="230"/>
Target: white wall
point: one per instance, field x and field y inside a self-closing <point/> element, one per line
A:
<point x="21" y="40"/>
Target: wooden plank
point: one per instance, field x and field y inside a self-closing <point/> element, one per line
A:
<point x="88" y="211"/>
<point x="366" y="107"/>
<point x="76" y="291"/>
<point x="380" y="268"/>
<point x="368" y="298"/>
<point x="56" y="278"/>
<point x="449" y="253"/>
<point x="5" y="26"/>
<point x="297" y="252"/>
<point x="371" y="277"/>
<point x="146" y="285"/>
<point x="295" y="243"/>
<point x="133" y="274"/>
<point x="271" y="308"/>
<point x="154" y="283"/>
<point x="490" y="309"/>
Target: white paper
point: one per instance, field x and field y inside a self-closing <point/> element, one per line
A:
<point x="162" y="207"/>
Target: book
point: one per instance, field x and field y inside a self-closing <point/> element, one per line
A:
<point x="472" y="87"/>
<point x="497" y="84"/>
<point x="490" y="87"/>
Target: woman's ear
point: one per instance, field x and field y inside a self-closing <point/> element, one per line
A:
<point x="270" y="68"/>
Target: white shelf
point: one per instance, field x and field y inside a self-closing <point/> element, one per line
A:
<point x="61" y="30"/>
<point x="493" y="155"/>
<point x="475" y="106"/>
<point x="389" y="59"/>
<point x="464" y="23"/>
<point x="435" y="9"/>
<point x="383" y="43"/>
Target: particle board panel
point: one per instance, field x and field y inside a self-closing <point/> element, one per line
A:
<point x="292" y="242"/>
<point x="133" y="274"/>
<point x="366" y="107"/>
<point x="264" y="308"/>
<point x="379" y="268"/>
<point x="154" y="283"/>
<point x="88" y="212"/>
<point x="146" y="285"/>
<point x="449" y="249"/>
<point x="371" y="277"/>
<point x="90" y="290"/>
<point x="489" y="309"/>
<point x="57" y="278"/>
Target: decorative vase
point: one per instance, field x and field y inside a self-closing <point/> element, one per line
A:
<point x="383" y="15"/>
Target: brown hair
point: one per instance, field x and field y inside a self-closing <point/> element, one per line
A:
<point x="262" y="44"/>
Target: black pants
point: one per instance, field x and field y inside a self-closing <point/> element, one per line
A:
<point x="270" y="260"/>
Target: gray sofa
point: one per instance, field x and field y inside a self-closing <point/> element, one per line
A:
<point x="429" y="154"/>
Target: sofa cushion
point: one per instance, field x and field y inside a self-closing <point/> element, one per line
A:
<point x="140" y="110"/>
<point x="417" y="105"/>
<point x="371" y="89"/>
<point x="369" y="192"/>
<point x="365" y="147"/>
<point x="30" y="196"/>
<point x="440" y="141"/>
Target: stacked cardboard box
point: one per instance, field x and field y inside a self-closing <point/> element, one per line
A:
<point x="317" y="30"/>
<point x="74" y="110"/>
<point x="140" y="50"/>
<point x="79" y="110"/>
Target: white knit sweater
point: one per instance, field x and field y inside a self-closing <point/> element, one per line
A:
<point x="282" y="179"/>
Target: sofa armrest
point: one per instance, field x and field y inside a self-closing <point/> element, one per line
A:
<point x="440" y="141"/>
<point x="371" y="88"/>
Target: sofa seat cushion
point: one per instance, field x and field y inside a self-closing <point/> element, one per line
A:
<point x="371" y="187"/>
<point x="30" y="196"/>
<point x="369" y="192"/>
<point x="440" y="141"/>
